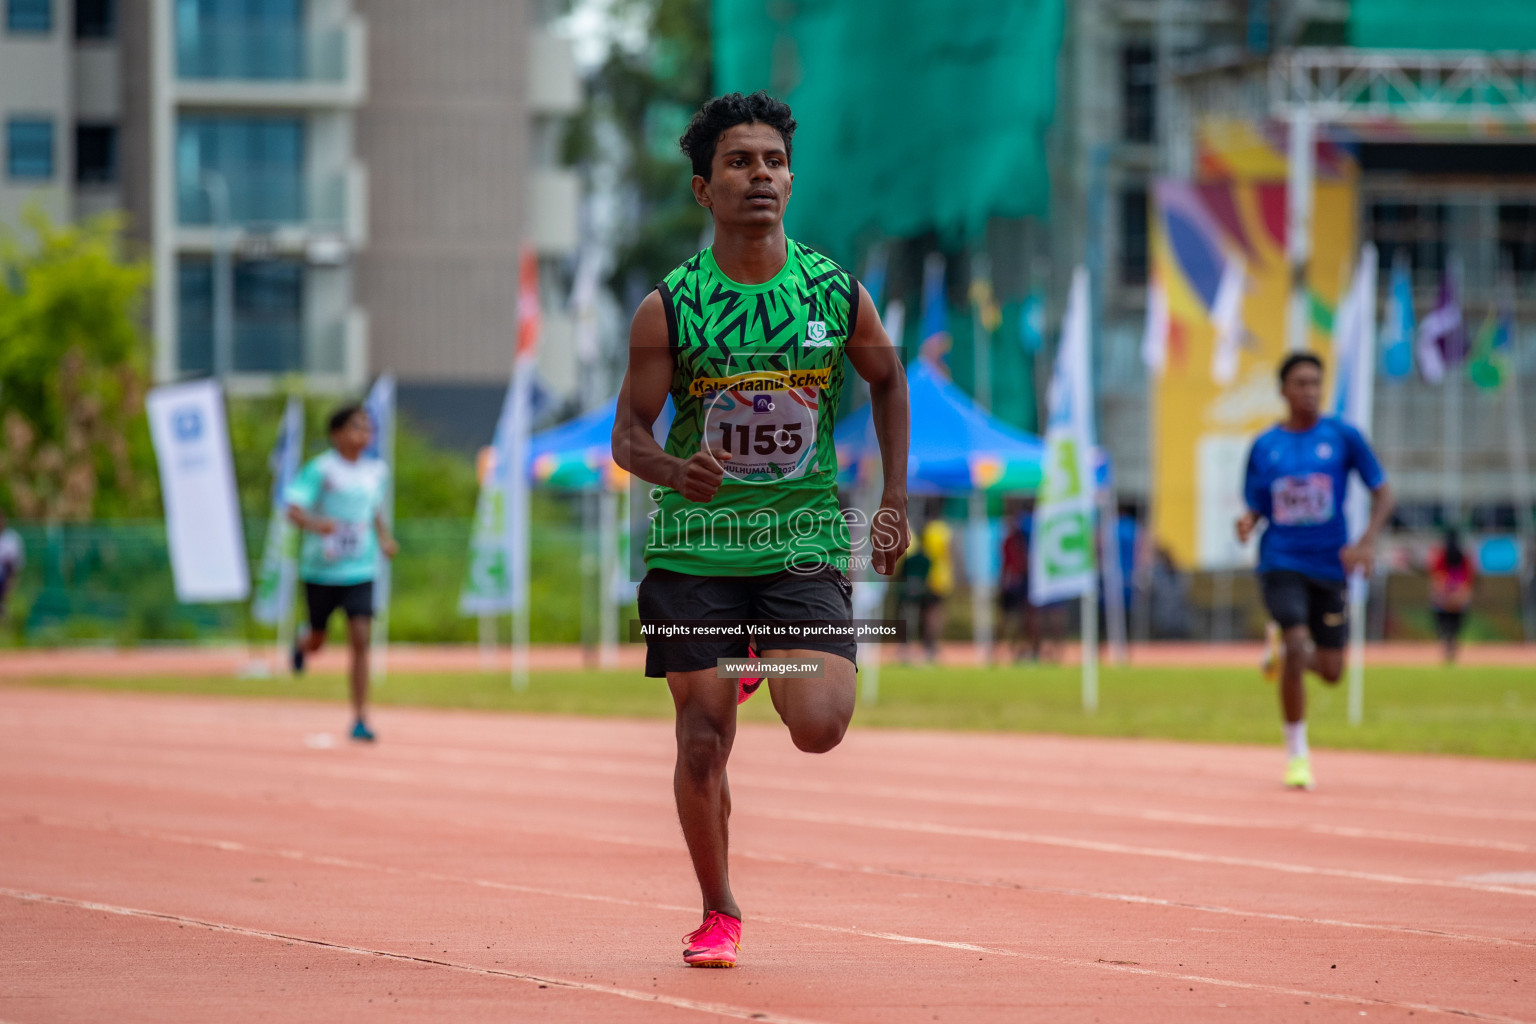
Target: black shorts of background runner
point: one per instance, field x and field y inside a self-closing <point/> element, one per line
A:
<point x="666" y="596"/>
<point x="1295" y="599"/>
<point x="1448" y="624"/>
<point x="356" y="599"/>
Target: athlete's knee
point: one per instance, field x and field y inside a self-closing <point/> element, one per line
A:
<point x="818" y="736"/>
<point x="1329" y="665"/>
<point x="702" y="748"/>
<point x="1295" y="643"/>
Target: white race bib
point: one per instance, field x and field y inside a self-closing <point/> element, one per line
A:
<point x="343" y="542"/>
<point x="1302" y="500"/>
<point x="769" y="435"/>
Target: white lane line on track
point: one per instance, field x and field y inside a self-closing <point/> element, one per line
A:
<point x="566" y="767"/>
<point x="825" y="865"/>
<point x="1098" y="846"/>
<point x="1004" y="835"/>
<point x="717" y="1009"/>
<point x="720" y="1009"/>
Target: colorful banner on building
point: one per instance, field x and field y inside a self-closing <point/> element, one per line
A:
<point x="1220" y="346"/>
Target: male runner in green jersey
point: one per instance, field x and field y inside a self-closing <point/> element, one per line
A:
<point x="748" y="337"/>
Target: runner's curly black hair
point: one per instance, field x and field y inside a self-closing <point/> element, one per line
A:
<point x="1294" y="360"/>
<point x="723" y="112"/>
<point x="341" y="417"/>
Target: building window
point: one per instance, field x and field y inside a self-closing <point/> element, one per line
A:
<point x="260" y="39"/>
<point x="261" y="162"/>
<point x="1419" y="229"/>
<point x="269" y="315"/>
<point x="1138" y="92"/>
<point x="1133" y="236"/>
<point x="96" y="154"/>
<point x="29" y="15"/>
<point x="29" y="148"/>
<point x="1517" y="239"/>
<point x="95" y="19"/>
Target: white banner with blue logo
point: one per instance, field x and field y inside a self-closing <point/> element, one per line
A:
<point x="197" y="486"/>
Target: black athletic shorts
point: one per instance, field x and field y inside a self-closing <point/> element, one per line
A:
<point x="823" y="596"/>
<point x="356" y="599"/>
<point x="1448" y="623"/>
<point x="1296" y="599"/>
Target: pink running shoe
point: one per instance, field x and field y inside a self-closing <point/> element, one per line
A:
<point x="714" y="943"/>
<point x="745" y="686"/>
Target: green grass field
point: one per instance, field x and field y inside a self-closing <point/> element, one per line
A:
<point x="1489" y="712"/>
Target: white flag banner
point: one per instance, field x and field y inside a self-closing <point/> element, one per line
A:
<point x="197" y="486"/>
<point x="380" y="407"/>
<point x="1154" y="335"/>
<point x="1227" y="317"/>
<point x="279" y="554"/>
<point x="1354" y="347"/>
<point x="487" y="585"/>
<point x="1061" y="558"/>
<point x="530" y="324"/>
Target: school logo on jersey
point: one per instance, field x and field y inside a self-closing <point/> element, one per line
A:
<point x="816" y="335"/>
<point x="1324" y="450"/>
<point x="761" y="405"/>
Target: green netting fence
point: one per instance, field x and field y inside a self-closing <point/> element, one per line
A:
<point x="914" y="115"/>
<point x="110" y="582"/>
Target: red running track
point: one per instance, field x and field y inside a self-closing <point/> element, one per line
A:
<point x="174" y="859"/>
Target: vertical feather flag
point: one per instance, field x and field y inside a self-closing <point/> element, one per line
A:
<point x="1227" y="317"/>
<point x="275" y="585"/>
<point x="530" y="325"/>
<point x="1397" y="330"/>
<point x="1154" y="335"/>
<point x="933" y="329"/>
<point x="1442" y="340"/>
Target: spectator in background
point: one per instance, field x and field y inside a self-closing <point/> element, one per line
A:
<point x="13" y="556"/>
<point x="1450" y="592"/>
<point x="913" y="573"/>
<point x="1013" y="590"/>
<point x="1169" y="598"/>
<point x="937" y="538"/>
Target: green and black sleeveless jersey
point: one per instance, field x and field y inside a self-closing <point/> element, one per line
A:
<point x="759" y="369"/>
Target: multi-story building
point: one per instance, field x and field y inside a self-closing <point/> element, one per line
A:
<point x="351" y="180"/>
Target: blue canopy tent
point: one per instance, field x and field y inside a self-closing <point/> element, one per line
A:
<point x="956" y="448"/>
<point x="577" y="455"/>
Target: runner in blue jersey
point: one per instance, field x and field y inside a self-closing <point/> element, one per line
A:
<point x="337" y="500"/>
<point x="1297" y="477"/>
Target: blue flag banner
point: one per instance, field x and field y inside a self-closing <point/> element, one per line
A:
<point x="279" y="555"/>
<point x="1398" y="328"/>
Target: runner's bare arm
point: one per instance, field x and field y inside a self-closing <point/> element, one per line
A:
<point x="1362" y="553"/>
<point x="875" y="359"/>
<point x="387" y="542"/>
<point x="301" y="517"/>
<point x="646" y="384"/>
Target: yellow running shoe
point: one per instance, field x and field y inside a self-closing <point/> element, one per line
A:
<point x="1270" y="666"/>
<point x="1298" y="773"/>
